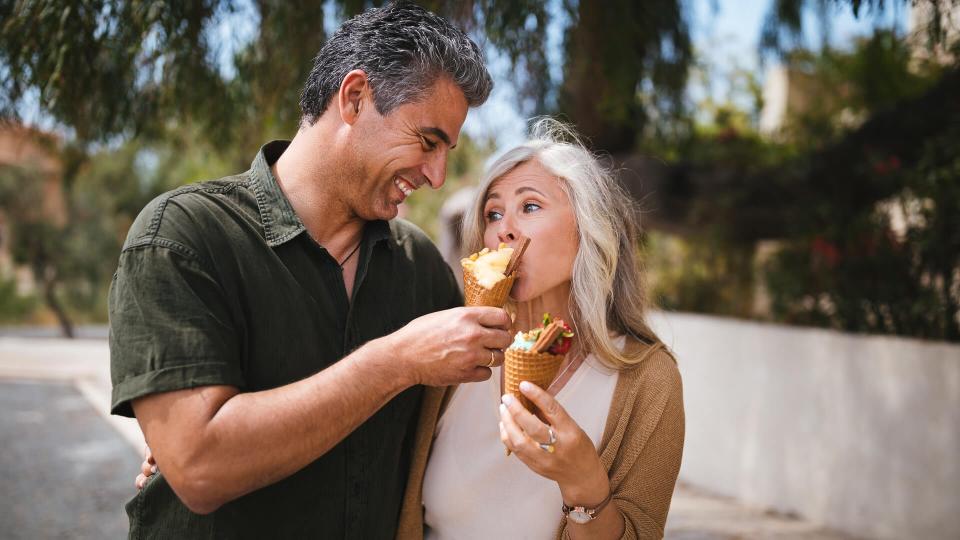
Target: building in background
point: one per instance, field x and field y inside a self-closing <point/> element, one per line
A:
<point x="33" y="152"/>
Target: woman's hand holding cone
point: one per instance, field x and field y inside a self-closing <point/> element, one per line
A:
<point x="574" y="464"/>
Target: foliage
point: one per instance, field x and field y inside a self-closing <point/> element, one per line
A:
<point x="860" y="273"/>
<point x="14" y="307"/>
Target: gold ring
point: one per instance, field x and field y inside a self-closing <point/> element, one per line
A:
<point x="493" y="360"/>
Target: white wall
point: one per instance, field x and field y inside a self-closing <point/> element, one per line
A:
<point x="860" y="433"/>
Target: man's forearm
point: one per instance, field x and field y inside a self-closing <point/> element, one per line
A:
<point x="258" y="438"/>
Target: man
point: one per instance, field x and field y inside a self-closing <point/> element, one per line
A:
<point x="272" y="331"/>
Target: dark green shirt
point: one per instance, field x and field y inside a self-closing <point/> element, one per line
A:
<point x="219" y="284"/>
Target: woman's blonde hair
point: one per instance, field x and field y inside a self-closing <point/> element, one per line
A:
<point x="608" y="291"/>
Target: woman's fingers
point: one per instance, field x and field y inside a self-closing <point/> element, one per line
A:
<point x="517" y="440"/>
<point x="530" y="424"/>
<point x="551" y="409"/>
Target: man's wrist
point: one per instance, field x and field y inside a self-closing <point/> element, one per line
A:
<point x="384" y="358"/>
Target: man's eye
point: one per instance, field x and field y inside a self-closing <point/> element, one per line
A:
<point x="493" y="216"/>
<point x="430" y="145"/>
<point x="531" y="207"/>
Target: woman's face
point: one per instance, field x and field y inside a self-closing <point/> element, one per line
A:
<point x="529" y="201"/>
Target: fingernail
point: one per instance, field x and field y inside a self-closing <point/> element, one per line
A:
<point x="525" y="386"/>
<point x="503" y="408"/>
<point x="153" y="469"/>
<point x="507" y="399"/>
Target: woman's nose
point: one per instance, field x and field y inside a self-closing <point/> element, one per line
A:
<point x="506" y="235"/>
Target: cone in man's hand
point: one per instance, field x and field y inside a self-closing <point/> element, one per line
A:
<point x="488" y="275"/>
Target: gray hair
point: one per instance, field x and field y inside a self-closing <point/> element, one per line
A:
<point x="608" y="290"/>
<point x="404" y="49"/>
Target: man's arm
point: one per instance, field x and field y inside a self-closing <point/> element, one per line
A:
<point x="215" y="444"/>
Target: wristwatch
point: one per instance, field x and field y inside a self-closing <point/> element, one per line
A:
<point x="582" y="515"/>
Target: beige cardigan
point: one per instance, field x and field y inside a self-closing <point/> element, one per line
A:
<point x="641" y="447"/>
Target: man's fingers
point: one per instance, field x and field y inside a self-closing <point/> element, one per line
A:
<point x="478" y="374"/>
<point x="489" y="358"/>
<point x="492" y="317"/>
<point x="494" y="338"/>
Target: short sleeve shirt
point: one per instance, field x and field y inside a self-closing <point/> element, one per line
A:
<point x="220" y="284"/>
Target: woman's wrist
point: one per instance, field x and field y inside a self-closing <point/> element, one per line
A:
<point x="588" y="491"/>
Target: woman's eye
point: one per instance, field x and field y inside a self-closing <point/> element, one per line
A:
<point x="493" y="216"/>
<point x="530" y="207"/>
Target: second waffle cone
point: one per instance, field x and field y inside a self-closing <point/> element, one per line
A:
<point x="538" y="368"/>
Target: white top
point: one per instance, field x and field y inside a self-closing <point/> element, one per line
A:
<point x="473" y="490"/>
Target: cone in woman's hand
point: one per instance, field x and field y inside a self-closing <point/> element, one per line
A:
<point x="538" y="368"/>
<point x="536" y="356"/>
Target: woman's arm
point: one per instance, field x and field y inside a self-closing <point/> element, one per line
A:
<point x="572" y="461"/>
<point x="648" y="450"/>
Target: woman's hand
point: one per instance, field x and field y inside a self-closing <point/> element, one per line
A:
<point x="147" y="469"/>
<point x="574" y="463"/>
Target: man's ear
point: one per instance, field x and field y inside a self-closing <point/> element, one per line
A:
<point x="354" y="92"/>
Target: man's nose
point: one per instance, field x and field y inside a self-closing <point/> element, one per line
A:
<point x="435" y="169"/>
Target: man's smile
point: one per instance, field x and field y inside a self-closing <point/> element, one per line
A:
<point x="405" y="186"/>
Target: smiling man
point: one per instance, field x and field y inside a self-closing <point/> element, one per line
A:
<point x="272" y="331"/>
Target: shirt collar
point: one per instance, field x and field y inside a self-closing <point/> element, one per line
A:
<point x="280" y="222"/>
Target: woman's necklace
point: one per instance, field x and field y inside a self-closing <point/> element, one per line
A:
<point x="576" y="360"/>
<point x="347" y="258"/>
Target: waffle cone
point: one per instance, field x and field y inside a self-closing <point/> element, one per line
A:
<point x="475" y="294"/>
<point x="540" y="369"/>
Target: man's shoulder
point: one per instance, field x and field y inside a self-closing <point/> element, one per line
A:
<point x="412" y="238"/>
<point x="178" y="214"/>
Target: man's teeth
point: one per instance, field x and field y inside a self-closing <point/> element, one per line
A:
<point x="404" y="186"/>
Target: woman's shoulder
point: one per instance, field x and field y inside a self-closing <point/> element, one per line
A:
<point x="655" y="363"/>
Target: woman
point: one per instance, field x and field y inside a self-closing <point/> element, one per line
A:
<point x="612" y="447"/>
<point x="615" y="434"/>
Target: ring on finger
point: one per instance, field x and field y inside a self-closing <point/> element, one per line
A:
<point x="493" y="360"/>
<point x="550" y="445"/>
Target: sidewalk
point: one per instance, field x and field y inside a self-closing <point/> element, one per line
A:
<point x="33" y="371"/>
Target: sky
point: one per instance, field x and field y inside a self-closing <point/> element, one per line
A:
<point x="725" y="33"/>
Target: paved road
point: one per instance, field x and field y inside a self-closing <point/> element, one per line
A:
<point x="60" y="464"/>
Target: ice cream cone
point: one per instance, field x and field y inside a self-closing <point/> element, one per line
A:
<point x="538" y="368"/>
<point x="475" y="294"/>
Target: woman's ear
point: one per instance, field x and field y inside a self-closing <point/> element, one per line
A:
<point x="353" y="91"/>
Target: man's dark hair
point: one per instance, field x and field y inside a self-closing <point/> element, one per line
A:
<point x="403" y="49"/>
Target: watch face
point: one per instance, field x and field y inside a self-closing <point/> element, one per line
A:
<point x="580" y="517"/>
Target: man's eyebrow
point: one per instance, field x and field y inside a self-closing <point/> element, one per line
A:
<point x="438" y="133"/>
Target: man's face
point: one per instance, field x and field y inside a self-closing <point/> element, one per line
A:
<point x="406" y="149"/>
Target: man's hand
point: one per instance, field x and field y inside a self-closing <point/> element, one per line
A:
<point x="452" y="346"/>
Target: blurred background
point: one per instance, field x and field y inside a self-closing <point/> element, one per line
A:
<point x="798" y="163"/>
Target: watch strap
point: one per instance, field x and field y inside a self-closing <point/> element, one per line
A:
<point x="592" y="512"/>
